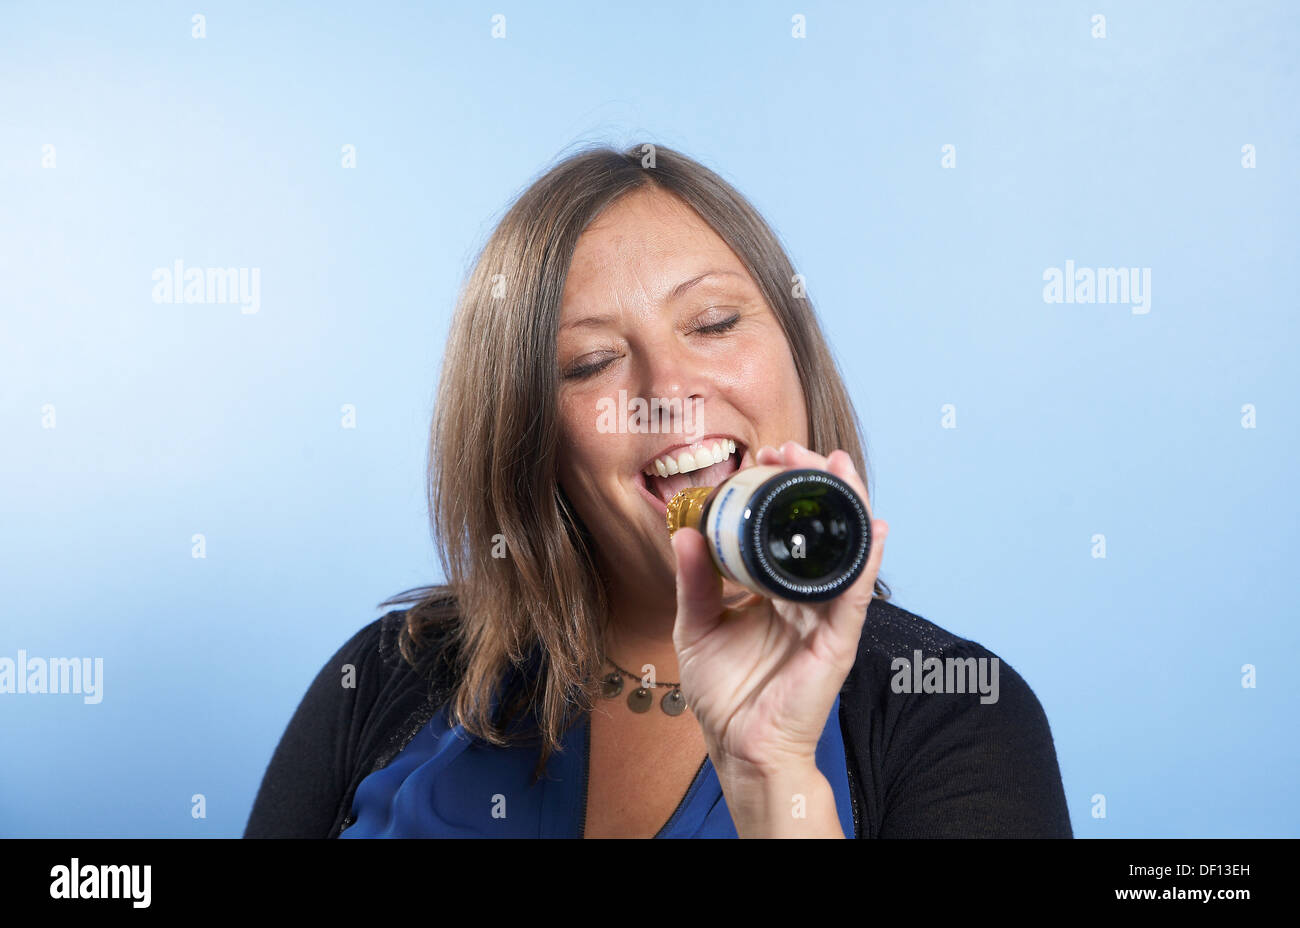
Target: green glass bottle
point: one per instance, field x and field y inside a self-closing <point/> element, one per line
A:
<point x="800" y="534"/>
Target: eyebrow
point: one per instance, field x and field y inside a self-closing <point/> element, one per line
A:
<point x="685" y="285"/>
<point x="674" y="294"/>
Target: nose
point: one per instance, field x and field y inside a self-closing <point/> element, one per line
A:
<point x="676" y="386"/>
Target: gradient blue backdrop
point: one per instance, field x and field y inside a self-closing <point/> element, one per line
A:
<point x="1071" y="419"/>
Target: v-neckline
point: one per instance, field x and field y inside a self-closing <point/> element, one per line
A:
<point x="586" y="781"/>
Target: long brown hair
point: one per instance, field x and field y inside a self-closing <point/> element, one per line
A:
<point x="492" y="479"/>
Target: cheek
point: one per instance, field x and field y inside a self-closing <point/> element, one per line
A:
<point x="589" y="460"/>
<point x="763" y="380"/>
<point x="763" y="365"/>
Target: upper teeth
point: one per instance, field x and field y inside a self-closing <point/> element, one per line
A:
<point x="696" y="456"/>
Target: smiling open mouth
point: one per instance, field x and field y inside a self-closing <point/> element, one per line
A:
<point x="704" y="464"/>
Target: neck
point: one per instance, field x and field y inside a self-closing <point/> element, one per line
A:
<point x="640" y="630"/>
<point x="641" y="620"/>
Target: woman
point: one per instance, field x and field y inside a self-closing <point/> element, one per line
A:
<point x="504" y="703"/>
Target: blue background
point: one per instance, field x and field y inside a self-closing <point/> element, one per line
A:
<point x="1071" y="419"/>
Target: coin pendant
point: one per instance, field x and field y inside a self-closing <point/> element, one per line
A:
<point x="639" y="699"/>
<point x="673" y="703"/>
<point x="611" y="685"/>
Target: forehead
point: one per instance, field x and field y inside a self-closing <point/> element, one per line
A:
<point x="645" y="244"/>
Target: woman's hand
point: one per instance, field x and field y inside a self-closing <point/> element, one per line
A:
<point x="761" y="675"/>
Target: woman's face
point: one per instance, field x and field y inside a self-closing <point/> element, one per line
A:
<point x="656" y="306"/>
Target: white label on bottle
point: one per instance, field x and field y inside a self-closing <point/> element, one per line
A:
<point x="726" y="516"/>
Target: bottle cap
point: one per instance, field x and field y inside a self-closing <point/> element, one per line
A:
<point x="686" y="508"/>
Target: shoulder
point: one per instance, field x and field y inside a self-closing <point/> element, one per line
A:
<point x="407" y="651"/>
<point x="312" y="765"/>
<point x="358" y="670"/>
<point x="415" y="640"/>
<point x="364" y="701"/>
<point x="950" y="739"/>
<point x="371" y="651"/>
<point x="902" y="655"/>
<point x="371" y="670"/>
<point x="891" y="629"/>
<point x="375" y="642"/>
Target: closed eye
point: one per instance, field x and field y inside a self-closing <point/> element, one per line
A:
<point x="717" y="327"/>
<point x="583" y="371"/>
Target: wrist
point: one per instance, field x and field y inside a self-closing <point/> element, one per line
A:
<point x="791" y="800"/>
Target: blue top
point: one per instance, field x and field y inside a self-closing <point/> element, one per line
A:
<point x="447" y="784"/>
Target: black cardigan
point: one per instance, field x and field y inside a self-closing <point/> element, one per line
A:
<point x="920" y="765"/>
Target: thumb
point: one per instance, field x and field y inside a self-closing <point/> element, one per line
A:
<point x="699" y="588"/>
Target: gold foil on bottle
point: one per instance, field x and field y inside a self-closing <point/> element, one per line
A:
<point x="686" y="508"/>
